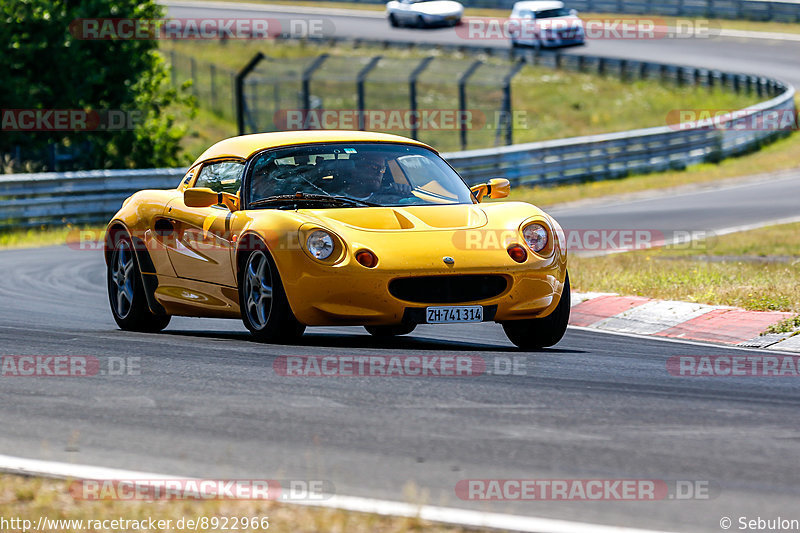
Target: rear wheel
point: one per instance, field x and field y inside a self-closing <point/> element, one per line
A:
<point x="390" y="331"/>
<point x="541" y="332"/>
<point x="126" y="290"/>
<point x="393" y="21"/>
<point x="265" y="309"/>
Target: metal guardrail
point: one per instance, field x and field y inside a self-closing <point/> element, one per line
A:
<point x="29" y="200"/>
<point x="615" y="155"/>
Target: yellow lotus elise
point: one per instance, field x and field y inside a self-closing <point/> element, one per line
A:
<point x="314" y="228"/>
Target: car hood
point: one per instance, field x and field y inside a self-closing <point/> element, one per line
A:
<point x="408" y="218"/>
<point x="439" y="7"/>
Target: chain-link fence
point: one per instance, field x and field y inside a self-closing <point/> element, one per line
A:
<point x="213" y="85"/>
<point x="452" y="103"/>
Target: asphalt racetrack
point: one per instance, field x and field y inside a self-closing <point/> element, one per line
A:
<point x="207" y="402"/>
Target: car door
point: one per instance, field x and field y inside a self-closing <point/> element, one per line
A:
<point x="202" y="247"/>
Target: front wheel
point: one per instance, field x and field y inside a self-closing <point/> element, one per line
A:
<point x="393" y="21"/>
<point x="126" y="291"/>
<point x="543" y="332"/>
<point x="265" y="309"/>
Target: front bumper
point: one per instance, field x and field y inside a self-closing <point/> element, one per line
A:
<point x="350" y="294"/>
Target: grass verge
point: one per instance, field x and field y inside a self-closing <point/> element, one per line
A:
<point x="30" y="498"/>
<point x="757" y="270"/>
<point x="46" y="236"/>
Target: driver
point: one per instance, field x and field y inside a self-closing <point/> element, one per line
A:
<point x="370" y="169"/>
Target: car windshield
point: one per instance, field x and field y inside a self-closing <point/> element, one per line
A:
<point x="381" y="174"/>
<point x="552" y="13"/>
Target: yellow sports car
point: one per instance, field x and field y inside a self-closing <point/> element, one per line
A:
<point x="315" y="228"/>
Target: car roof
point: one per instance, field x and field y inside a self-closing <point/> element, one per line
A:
<point x="244" y="146"/>
<point x="538" y="5"/>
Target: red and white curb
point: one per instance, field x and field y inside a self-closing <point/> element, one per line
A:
<point x="681" y="320"/>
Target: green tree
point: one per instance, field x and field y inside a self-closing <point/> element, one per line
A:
<point x="49" y="65"/>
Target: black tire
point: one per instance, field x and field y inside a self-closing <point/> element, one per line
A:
<point x="126" y="294"/>
<point x="420" y="21"/>
<point x="393" y="21"/>
<point x="271" y="320"/>
<point x="390" y="331"/>
<point x="543" y="332"/>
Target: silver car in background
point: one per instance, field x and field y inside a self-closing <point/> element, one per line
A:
<point x="545" y="24"/>
<point x="424" y="13"/>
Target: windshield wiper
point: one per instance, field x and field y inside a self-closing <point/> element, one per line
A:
<point x="302" y="197"/>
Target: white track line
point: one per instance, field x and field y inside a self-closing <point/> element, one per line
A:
<point x="461" y="517"/>
<point x="773" y="36"/>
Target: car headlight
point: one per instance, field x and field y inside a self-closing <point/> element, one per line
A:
<point x="320" y="244"/>
<point x="535" y="237"/>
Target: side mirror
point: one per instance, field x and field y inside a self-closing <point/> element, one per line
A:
<point x="495" y="188"/>
<point x="205" y="197"/>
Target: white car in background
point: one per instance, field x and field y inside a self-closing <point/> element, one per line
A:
<point x="424" y="13"/>
<point x="541" y="24"/>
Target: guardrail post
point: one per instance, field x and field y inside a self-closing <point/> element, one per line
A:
<point x="306" y="85"/>
<point x="240" y="105"/>
<point x="412" y="94"/>
<point x="360" y="79"/>
<point x="462" y="100"/>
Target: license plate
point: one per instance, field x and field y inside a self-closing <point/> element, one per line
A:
<point x="451" y="314"/>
